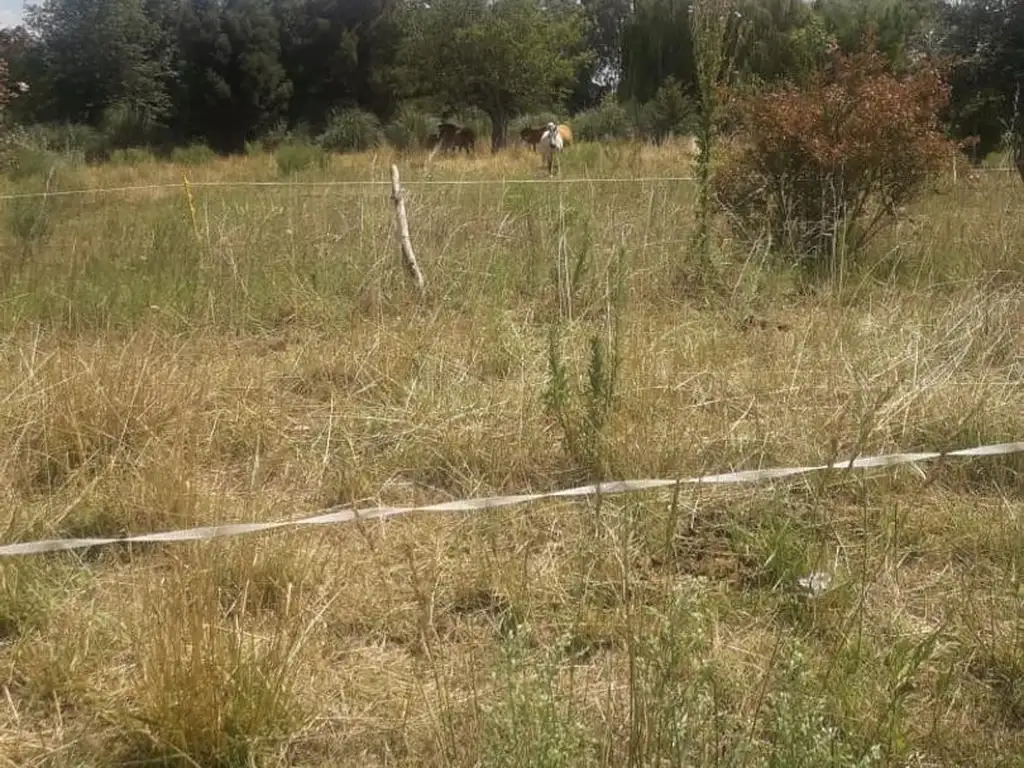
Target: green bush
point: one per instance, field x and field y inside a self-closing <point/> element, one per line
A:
<point x="670" y="113"/>
<point x="26" y="162"/>
<point x="278" y="134"/>
<point x="350" y="130"/>
<point x="194" y="154"/>
<point x="297" y="156"/>
<point x="131" y="156"/>
<point x="29" y="220"/>
<point x="124" y="126"/>
<point x="605" y="122"/>
<point x="411" y="129"/>
<point x="642" y="118"/>
<point x="69" y="139"/>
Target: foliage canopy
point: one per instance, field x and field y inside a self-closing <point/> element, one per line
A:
<point x="504" y="58"/>
<point x="227" y="72"/>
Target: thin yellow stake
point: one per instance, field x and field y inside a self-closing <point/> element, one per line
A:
<point x="190" y="199"/>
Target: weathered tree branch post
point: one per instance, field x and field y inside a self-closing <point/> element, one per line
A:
<point x="408" y="256"/>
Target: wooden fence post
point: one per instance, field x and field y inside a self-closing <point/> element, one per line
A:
<point x="408" y="256"/>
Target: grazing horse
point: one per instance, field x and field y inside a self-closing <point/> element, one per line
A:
<point x="450" y="137"/>
<point x="447" y="132"/>
<point x="551" y="142"/>
<point x="465" y="139"/>
<point x="531" y="136"/>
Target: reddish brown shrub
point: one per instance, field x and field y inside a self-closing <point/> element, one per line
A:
<point x="821" y="169"/>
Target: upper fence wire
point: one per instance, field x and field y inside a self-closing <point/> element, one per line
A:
<point x="383" y="183"/>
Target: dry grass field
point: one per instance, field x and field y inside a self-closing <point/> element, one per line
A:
<point x="261" y="355"/>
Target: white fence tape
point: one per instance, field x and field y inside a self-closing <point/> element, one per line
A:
<point x="346" y="515"/>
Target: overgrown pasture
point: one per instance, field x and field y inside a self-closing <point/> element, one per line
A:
<point x="198" y="354"/>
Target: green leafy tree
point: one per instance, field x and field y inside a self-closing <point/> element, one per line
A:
<point x="504" y="58"/>
<point x="7" y="91"/>
<point x="986" y="38"/>
<point x="23" y="53"/>
<point x="337" y="55"/>
<point x="784" y="40"/>
<point x="101" y="53"/>
<point x="896" y="25"/>
<point x="671" y="112"/>
<point x="8" y="137"/>
<point x="232" y="84"/>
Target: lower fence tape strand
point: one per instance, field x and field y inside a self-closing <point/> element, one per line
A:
<point x="207" y="532"/>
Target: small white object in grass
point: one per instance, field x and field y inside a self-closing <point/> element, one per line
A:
<point x="816" y="583"/>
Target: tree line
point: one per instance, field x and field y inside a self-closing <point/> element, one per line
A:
<point x="228" y="72"/>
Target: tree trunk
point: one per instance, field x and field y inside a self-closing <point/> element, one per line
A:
<point x="499" y="131"/>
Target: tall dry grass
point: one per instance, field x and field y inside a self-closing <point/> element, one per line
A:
<point x="265" y="358"/>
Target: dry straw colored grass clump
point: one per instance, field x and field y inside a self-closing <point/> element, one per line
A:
<point x="260" y="355"/>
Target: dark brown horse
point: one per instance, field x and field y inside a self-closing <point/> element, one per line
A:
<point x="451" y="138"/>
<point x="531" y="136"/>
